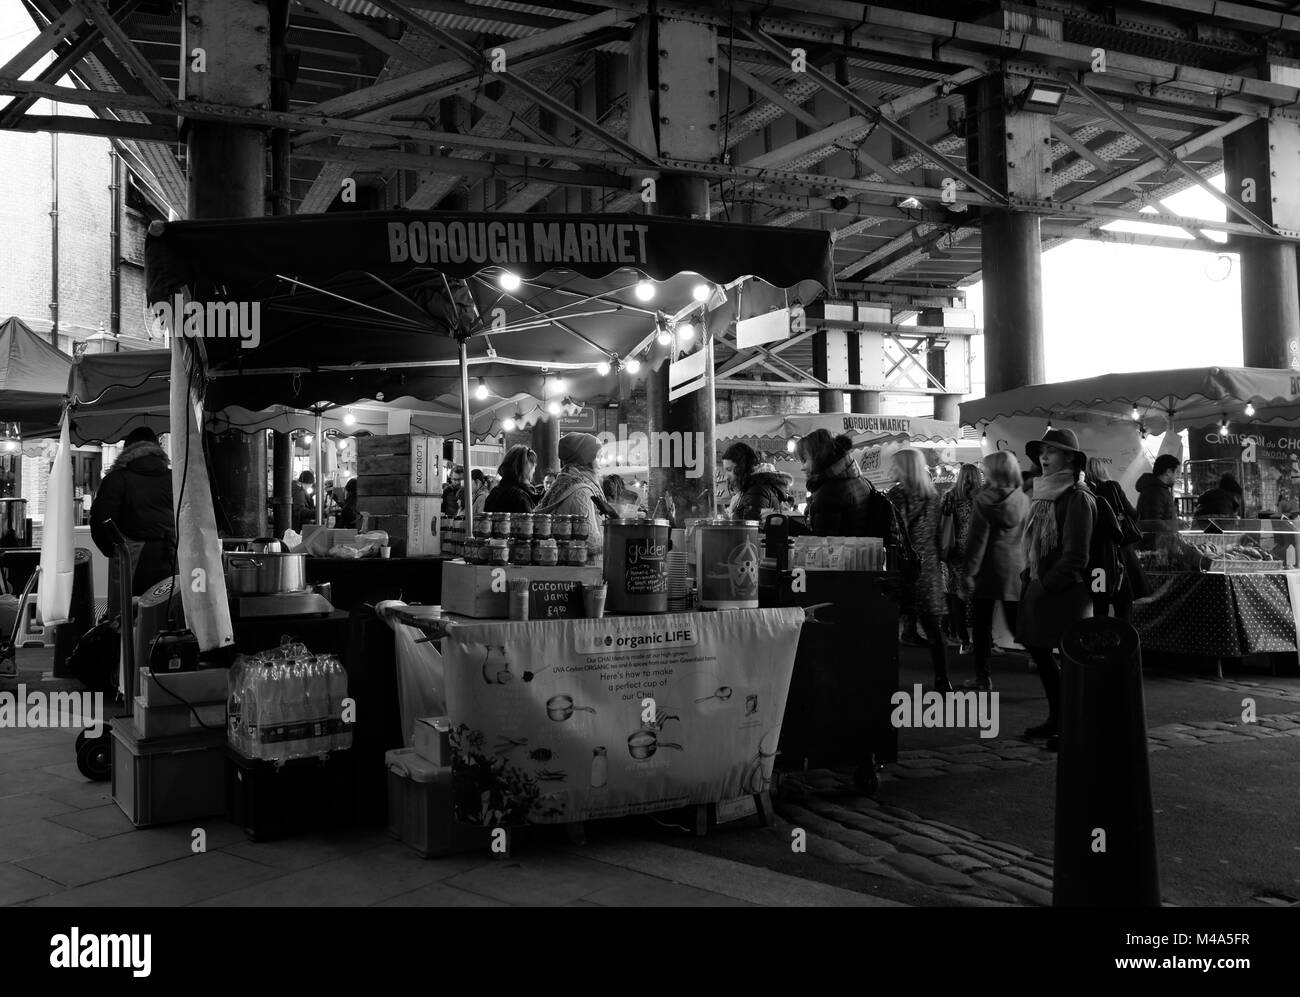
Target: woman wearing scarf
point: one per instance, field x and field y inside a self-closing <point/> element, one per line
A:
<point x="1058" y="540"/>
<point x="755" y="486"/>
<point x="577" y="491"/>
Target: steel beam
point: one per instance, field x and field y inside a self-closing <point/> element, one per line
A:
<point x="1165" y="154"/>
<point x="358" y="28"/>
<point x="44" y="43"/>
<point x="71" y="95"/>
<point x="69" y="125"/>
<point x="773" y="95"/>
<point x="98" y="14"/>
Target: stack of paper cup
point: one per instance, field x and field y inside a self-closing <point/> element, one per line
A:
<point x="677" y="581"/>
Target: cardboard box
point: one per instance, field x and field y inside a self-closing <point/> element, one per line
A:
<point x="398" y="465"/>
<point x="173" y="721"/>
<point x="432" y="740"/>
<point x="420" y="808"/>
<point x="209" y="685"/>
<point x="468" y="590"/>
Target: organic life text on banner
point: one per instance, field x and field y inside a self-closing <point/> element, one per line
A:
<point x="571" y="720"/>
<point x="1117" y="443"/>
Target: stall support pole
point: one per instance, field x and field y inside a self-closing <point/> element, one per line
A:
<point x="464" y="428"/>
<point x="319" y="442"/>
<point x="707" y="413"/>
<point x="282" y="478"/>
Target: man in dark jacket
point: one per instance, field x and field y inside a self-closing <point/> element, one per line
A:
<point x="451" y="492"/>
<point x="304" y="505"/>
<point x="1223" y="502"/>
<point x="136" y="494"/>
<point x="1156" y="509"/>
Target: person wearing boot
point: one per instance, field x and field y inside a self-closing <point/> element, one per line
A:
<point x="1055" y="592"/>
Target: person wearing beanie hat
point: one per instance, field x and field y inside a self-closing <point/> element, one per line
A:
<point x="136" y="494"/>
<point x="577" y="491"/>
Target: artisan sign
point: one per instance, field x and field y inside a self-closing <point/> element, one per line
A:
<point x="420" y="241"/>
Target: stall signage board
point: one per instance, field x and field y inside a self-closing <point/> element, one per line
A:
<point x="1266" y="458"/>
<point x="581" y="422"/>
<point x="572" y="720"/>
<point x="768" y="328"/>
<point x="686" y="375"/>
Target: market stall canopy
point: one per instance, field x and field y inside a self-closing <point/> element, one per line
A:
<point x="1188" y="397"/>
<point x="367" y="304"/>
<point x="761" y="432"/>
<point x="114" y="393"/>
<point x="33" y="379"/>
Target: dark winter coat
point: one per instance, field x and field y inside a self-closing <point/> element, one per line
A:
<point x="1218" y="503"/>
<point x="763" y="490"/>
<point x="923" y="592"/>
<point x="995" y="553"/>
<point x="136" y="494"/>
<point x="1134" y="581"/>
<point x="1156" y="509"/>
<point x="511" y="496"/>
<point x="1061" y="596"/>
<point x="839" y="503"/>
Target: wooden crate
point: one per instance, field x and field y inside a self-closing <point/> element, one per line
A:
<point x="398" y="465"/>
<point x="418" y="524"/>
<point x="467" y="590"/>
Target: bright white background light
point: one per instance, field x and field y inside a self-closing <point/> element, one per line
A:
<point x="645" y="290"/>
<point x="633" y="365"/>
<point x="701" y="292"/>
<point x="665" y="337"/>
<point x="509" y="281"/>
<point x="602" y="368"/>
<point x="481" y="391"/>
<point x="553" y="407"/>
<point x="349" y="419"/>
<point x="509" y="424"/>
<point x="686" y="330"/>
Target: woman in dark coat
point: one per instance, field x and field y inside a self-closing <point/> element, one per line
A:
<point x="995" y="556"/>
<point x="514" y="492"/>
<point x="923" y="594"/>
<point x="840" y="498"/>
<point x="1058" y="541"/>
<point x="960" y="504"/>
<point x="1132" y="585"/>
<point x="755" y="486"/>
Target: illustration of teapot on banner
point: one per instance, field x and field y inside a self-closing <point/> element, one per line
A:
<point x="496" y="666"/>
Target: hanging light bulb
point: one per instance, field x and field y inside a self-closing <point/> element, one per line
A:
<point x="1250" y="409"/>
<point x="686" y="330"/>
<point x="343" y="444"/>
<point x="561" y="386"/>
<point x="1135" y="415"/>
<point x="985" y="435"/>
<point x="509" y="281"/>
<point x="633" y="365"/>
<point x="602" y="368"/>
<point x="349" y="419"/>
<point x="553" y="407"/>
<point x="481" y="391"/>
<point x="306" y="438"/>
<point x="700" y="292"/>
<point x="509" y="424"/>
<point x="790" y="446"/>
<point x="665" y="337"/>
<point x="645" y="290"/>
<point x="1223" y="425"/>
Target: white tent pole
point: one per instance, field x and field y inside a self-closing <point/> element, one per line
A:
<point x="319" y="441"/>
<point x="464" y="425"/>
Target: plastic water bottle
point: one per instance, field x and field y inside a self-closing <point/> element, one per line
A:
<point x="250" y="692"/>
<point x="293" y="708"/>
<point x="338" y="686"/>
<point x="319" y="697"/>
<point x="272" y="714"/>
<point x="234" y="706"/>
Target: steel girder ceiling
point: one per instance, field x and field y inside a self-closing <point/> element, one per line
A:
<point x="1180" y="75"/>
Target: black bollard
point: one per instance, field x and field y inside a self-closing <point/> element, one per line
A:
<point x="1105" y="830"/>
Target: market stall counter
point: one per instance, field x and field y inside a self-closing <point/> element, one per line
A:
<point x="354" y="581"/>
<point x="1227" y="592"/>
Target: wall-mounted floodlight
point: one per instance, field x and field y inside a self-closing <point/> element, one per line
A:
<point x="1041" y="97"/>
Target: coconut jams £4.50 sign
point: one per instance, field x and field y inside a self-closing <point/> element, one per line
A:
<point x="557" y="727"/>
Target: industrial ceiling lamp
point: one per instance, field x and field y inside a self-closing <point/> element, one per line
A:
<point x="481" y="391"/>
<point x="1042" y="97"/>
<point x="1135" y="415"/>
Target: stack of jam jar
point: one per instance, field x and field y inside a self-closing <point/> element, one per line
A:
<point x="521" y="538"/>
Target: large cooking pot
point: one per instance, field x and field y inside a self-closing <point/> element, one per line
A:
<point x="265" y="574"/>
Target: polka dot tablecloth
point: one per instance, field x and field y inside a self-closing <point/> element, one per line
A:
<point x="1219" y="616"/>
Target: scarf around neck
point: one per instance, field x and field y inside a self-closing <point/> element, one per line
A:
<point x="1041" y="533"/>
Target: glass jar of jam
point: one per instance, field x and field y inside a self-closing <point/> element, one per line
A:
<point x="562" y="527"/>
<point x="521" y="552"/>
<point x="478" y="551"/>
<point x="482" y="525"/>
<point x="577" y="554"/>
<point x="498" y="549"/>
<point x="498" y="525"/>
<point x="580" y="527"/>
<point x="546" y="552"/>
<point x="541" y="525"/>
<point x="521" y="525"/>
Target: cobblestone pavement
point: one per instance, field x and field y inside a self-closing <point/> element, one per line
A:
<point x="1247" y="686"/>
<point x="886" y="841"/>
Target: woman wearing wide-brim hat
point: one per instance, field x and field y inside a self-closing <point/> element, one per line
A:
<point x="1058" y="539"/>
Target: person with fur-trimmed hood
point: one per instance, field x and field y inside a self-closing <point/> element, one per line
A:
<point x="136" y="494"/>
<point x="755" y="486"/>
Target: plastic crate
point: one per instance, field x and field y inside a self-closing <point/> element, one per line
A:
<point x="420" y="808"/>
<point x="167" y="779"/>
<point x="272" y="801"/>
